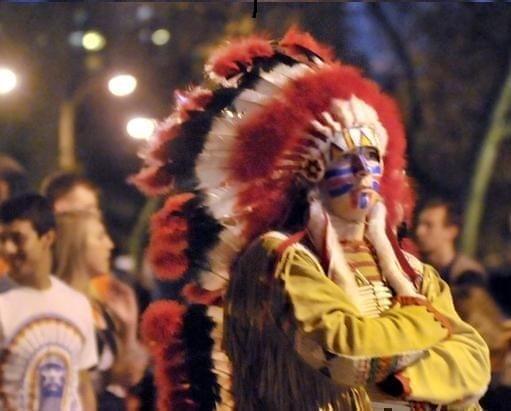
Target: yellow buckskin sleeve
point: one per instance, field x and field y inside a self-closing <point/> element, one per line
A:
<point x="325" y="313"/>
<point x="457" y="370"/>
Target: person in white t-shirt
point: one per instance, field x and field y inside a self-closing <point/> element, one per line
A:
<point x="47" y="339"/>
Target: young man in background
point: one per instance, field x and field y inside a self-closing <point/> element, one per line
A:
<point x="70" y="192"/>
<point x="438" y="228"/>
<point x="47" y="336"/>
<point x="13" y="181"/>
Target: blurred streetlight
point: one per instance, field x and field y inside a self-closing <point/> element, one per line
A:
<point x="141" y="128"/>
<point x="160" y="37"/>
<point x="93" y="41"/>
<point x="8" y="80"/>
<point x="122" y="85"/>
<point x="67" y="154"/>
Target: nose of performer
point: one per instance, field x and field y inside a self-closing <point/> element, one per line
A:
<point x="359" y="166"/>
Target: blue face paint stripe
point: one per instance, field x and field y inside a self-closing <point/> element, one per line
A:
<point x="363" y="201"/>
<point x="336" y="172"/>
<point x="341" y="190"/>
<point x="376" y="186"/>
<point x="375" y="170"/>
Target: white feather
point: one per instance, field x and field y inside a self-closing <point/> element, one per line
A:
<point x="220" y="258"/>
<point x="221" y="202"/>
<point x="210" y="164"/>
<point x="221" y="363"/>
<point x="291" y="72"/>
<point x="249" y="100"/>
<point x="265" y="87"/>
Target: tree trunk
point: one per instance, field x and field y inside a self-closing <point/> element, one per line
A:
<point x="498" y="129"/>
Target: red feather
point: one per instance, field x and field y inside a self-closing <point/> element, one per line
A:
<point x="173" y="205"/>
<point x="161" y="328"/>
<point x="169" y="239"/>
<point x="268" y="201"/>
<point x="153" y="181"/>
<point x="166" y="264"/>
<point x="194" y="294"/>
<point x="161" y="321"/>
<point x="295" y="40"/>
<point x="195" y="99"/>
<point x="171" y="227"/>
<point x="167" y="130"/>
<point x="236" y="56"/>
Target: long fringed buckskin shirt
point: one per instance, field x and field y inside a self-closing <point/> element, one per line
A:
<point x="283" y="311"/>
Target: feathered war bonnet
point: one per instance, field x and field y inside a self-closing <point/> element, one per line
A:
<point x="230" y="158"/>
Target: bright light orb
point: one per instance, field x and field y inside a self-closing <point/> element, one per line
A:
<point x="93" y="41"/>
<point x="141" y="128"/>
<point x="8" y="80"/>
<point x="122" y="85"/>
<point x="160" y="37"/>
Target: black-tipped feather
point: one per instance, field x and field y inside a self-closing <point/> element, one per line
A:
<point x="197" y="327"/>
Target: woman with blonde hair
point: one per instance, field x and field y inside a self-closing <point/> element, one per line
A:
<point x="82" y="259"/>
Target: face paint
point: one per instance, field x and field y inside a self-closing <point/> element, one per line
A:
<point x="363" y="200"/>
<point x="341" y="177"/>
<point x="352" y="180"/>
<point x="339" y="180"/>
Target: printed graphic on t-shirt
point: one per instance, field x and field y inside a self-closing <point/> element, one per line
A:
<point x="37" y="366"/>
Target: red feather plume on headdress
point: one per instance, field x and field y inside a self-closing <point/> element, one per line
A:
<point x="195" y="99"/>
<point x="169" y="239"/>
<point x="295" y="40"/>
<point x="162" y="329"/>
<point x="195" y="294"/>
<point x="161" y="322"/>
<point x="154" y="179"/>
<point x="237" y="55"/>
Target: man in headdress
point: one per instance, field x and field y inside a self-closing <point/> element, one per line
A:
<point x="291" y="181"/>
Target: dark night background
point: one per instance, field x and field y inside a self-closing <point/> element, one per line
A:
<point x="445" y="62"/>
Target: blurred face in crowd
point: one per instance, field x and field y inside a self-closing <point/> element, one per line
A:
<point x="98" y="248"/>
<point x="80" y="198"/>
<point x="433" y="232"/>
<point x="352" y="182"/>
<point x="4" y="190"/>
<point x="24" y="249"/>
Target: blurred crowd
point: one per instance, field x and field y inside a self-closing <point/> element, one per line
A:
<point x="55" y="257"/>
<point x="64" y="309"/>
